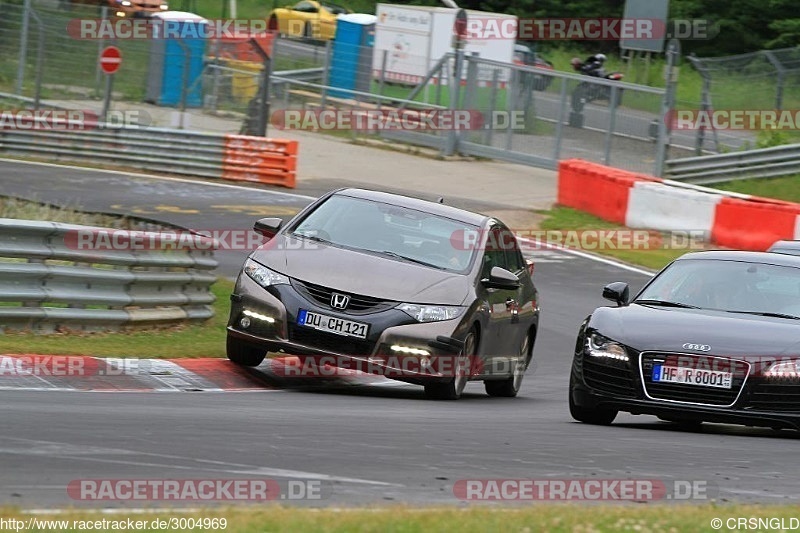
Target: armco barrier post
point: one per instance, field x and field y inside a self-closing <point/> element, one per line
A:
<point x="673" y="56"/>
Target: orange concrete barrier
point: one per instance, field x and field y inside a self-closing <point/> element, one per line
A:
<point x="753" y="225"/>
<point x="260" y="160"/>
<point x="597" y="189"/>
<point x="619" y="196"/>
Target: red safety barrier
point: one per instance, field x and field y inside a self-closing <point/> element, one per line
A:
<point x="261" y="160"/>
<point x="242" y="49"/>
<point x="753" y="225"/>
<point x="596" y="189"/>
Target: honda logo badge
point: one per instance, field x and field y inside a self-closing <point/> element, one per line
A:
<point x="339" y="301"/>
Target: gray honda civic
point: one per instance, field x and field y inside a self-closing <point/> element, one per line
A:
<point x="385" y="284"/>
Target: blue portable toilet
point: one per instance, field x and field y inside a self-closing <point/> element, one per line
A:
<point x="351" y="60"/>
<point x="178" y="49"/>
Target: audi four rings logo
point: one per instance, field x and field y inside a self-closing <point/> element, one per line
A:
<point x="697" y="347"/>
<point x="339" y="301"/>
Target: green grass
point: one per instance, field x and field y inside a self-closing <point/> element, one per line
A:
<point x="529" y="518"/>
<point x="787" y="188"/>
<point x="206" y="340"/>
<point x="27" y="210"/>
<point x="565" y="218"/>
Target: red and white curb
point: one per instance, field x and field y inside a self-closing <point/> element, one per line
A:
<point x="82" y="373"/>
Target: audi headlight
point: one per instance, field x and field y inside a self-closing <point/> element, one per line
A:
<point x="264" y="276"/>
<point x="784" y="369"/>
<point x="599" y="346"/>
<point x="431" y="313"/>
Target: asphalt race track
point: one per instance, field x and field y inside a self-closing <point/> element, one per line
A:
<point x="368" y="443"/>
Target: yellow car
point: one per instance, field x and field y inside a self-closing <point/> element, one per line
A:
<point x="309" y="19"/>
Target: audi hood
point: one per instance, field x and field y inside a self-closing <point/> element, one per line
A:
<point x="642" y="327"/>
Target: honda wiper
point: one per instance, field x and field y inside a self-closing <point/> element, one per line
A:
<point x="773" y="315"/>
<point x="312" y="238"/>
<point x="665" y="303"/>
<point x="407" y="258"/>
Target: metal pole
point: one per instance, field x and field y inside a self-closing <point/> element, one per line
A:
<point x="673" y="55"/>
<point x="101" y="44"/>
<point x="492" y="103"/>
<point x="39" y="61"/>
<point x="263" y="118"/>
<point x="187" y="57"/>
<point x="215" y="78"/>
<point x="455" y="85"/>
<point x="326" y="73"/>
<point x="612" y="119"/>
<point x="382" y="77"/>
<point x="560" y="124"/>
<point x="23" y="46"/>
<point x="511" y="103"/>
<point x="107" y="98"/>
<point x="778" y="66"/>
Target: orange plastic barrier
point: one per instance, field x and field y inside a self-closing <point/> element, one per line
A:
<point x="241" y="49"/>
<point x="753" y="224"/>
<point x="596" y="189"/>
<point x="261" y="160"/>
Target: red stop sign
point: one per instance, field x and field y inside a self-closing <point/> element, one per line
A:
<point x="110" y="59"/>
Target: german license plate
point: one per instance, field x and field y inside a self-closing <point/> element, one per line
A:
<point x="692" y="376"/>
<point x="332" y="324"/>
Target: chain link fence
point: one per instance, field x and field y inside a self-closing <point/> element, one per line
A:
<point x="530" y="114"/>
<point x="763" y="80"/>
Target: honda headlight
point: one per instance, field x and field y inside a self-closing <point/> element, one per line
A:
<point x="431" y="313"/>
<point x="599" y="346"/>
<point x="264" y="276"/>
<point x="784" y="369"/>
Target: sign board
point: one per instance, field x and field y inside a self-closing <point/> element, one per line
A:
<point x="414" y="38"/>
<point x="110" y="59"/>
<point x="654" y="11"/>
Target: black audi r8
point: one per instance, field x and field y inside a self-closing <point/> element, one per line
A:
<point x="714" y="337"/>
<point x="413" y="290"/>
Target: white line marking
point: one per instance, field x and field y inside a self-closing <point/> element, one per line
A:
<point x="585" y="255"/>
<point x="155" y="177"/>
<point x="226" y="467"/>
<point x="117" y="510"/>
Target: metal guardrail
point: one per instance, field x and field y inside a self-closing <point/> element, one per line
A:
<point x="231" y="157"/>
<point x="56" y="276"/>
<point x="763" y="163"/>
